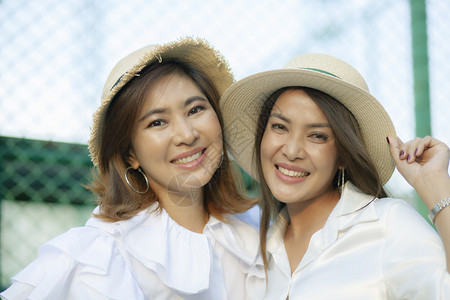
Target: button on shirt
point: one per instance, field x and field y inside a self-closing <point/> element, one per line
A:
<point x="368" y="249"/>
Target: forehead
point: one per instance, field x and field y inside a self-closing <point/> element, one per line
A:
<point x="297" y="105"/>
<point x="170" y="89"/>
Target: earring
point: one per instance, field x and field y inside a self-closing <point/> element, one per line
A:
<point x="145" y="178"/>
<point x="341" y="180"/>
<point x="221" y="161"/>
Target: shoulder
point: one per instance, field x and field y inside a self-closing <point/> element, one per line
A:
<point x="84" y="246"/>
<point x="413" y="254"/>
<point x="84" y="261"/>
<point x="369" y="208"/>
<point x="79" y="240"/>
<point x="404" y="227"/>
<point x="394" y="211"/>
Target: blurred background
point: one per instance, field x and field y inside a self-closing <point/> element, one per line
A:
<point x="55" y="56"/>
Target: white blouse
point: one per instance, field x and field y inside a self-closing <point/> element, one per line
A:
<point x="368" y="249"/>
<point x="148" y="256"/>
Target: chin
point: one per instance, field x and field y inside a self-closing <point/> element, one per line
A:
<point x="283" y="197"/>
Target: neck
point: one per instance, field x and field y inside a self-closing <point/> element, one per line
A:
<point x="186" y="209"/>
<point x="309" y="216"/>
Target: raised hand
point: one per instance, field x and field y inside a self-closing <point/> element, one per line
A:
<point x="420" y="160"/>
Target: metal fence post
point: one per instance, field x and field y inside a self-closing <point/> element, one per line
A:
<point x="421" y="75"/>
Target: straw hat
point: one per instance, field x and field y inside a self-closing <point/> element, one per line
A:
<point x="190" y="50"/>
<point x="242" y="102"/>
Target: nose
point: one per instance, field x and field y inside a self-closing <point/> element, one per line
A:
<point x="185" y="132"/>
<point x="293" y="149"/>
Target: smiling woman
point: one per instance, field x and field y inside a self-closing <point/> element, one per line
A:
<point x="182" y="129"/>
<point x="323" y="149"/>
<point x="288" y="136"/>
<point x="166" y="192"/>
<point x="175" y="122"/>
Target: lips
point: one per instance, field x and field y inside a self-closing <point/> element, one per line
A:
<point x="292" y="173"/>
<point x="188" y="158"/>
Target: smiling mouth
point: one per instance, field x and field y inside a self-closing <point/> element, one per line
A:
<point x="292" y="173"/>
<point x="188" y="159"/>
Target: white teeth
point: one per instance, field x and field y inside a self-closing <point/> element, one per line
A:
<point x="291" y="173"/>
<point x="188" y="159"/>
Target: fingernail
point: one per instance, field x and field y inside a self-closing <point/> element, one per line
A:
<point x="408" y="157"/>
<point x="415" y="152"/>
<point x="401" y="153"/>
<point x="387" y="139"/>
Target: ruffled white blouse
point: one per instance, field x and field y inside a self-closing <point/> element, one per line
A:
<point x="148" y="256"/>
<point x="367" y="249"/>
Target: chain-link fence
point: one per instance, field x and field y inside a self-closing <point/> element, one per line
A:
<point x="55" y="55"/>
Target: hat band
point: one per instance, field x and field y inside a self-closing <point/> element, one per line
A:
<point x="117" y="81"/>
<point x="321" y="71"/>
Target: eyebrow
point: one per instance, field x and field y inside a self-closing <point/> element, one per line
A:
<point x="193" y="99"/>
<point x="318" y="125"/>
<point x="280" y="116"/>
<point x="163" y="110"/>
<point x="312" y="125"/>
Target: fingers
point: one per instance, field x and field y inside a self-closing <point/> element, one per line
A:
<point x="417" y="150"/>
<point x="421" y="161"/>
<point x="409" y="150"/>
<point x="394" y="146"/>
<point x="413" y="149"/>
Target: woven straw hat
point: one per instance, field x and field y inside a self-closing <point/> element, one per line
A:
<point x="242" y="102"/>
<point x="190" y="50"/>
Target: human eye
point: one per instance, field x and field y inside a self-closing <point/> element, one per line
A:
<point x="278" y="126"/>
<point x="196" y="109"/>
<point x="319" y="136"/>
<point x="156" y="123"/>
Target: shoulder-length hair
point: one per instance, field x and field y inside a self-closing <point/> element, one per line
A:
<point x="352" y="154"/>
<point x="117" y="201"/>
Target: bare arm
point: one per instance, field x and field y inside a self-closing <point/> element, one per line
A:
<point x="424" y="164"/>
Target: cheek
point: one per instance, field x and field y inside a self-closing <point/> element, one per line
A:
<point x="212" y="126"/>
<point x="327" y="158"/>
<point x="146" y="143"/>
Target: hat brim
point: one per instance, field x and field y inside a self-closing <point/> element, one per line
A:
<point x="241" y="104"/>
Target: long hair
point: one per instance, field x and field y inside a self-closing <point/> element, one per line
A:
<point x="352" y="154"/>
<point x="116" y="199"/>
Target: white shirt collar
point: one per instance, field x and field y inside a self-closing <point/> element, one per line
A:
<point x="352" y="208"/>
<point x="172" y="251"/>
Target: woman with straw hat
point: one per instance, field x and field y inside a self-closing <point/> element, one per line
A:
<point x="317" y="142"/>
<point x="164" y="227"/>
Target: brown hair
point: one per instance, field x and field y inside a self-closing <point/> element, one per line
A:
<point x="352" y="154"/>
<point x="116" y="199"/>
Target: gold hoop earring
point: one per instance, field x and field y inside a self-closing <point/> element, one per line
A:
<point x="145" y="178"/>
